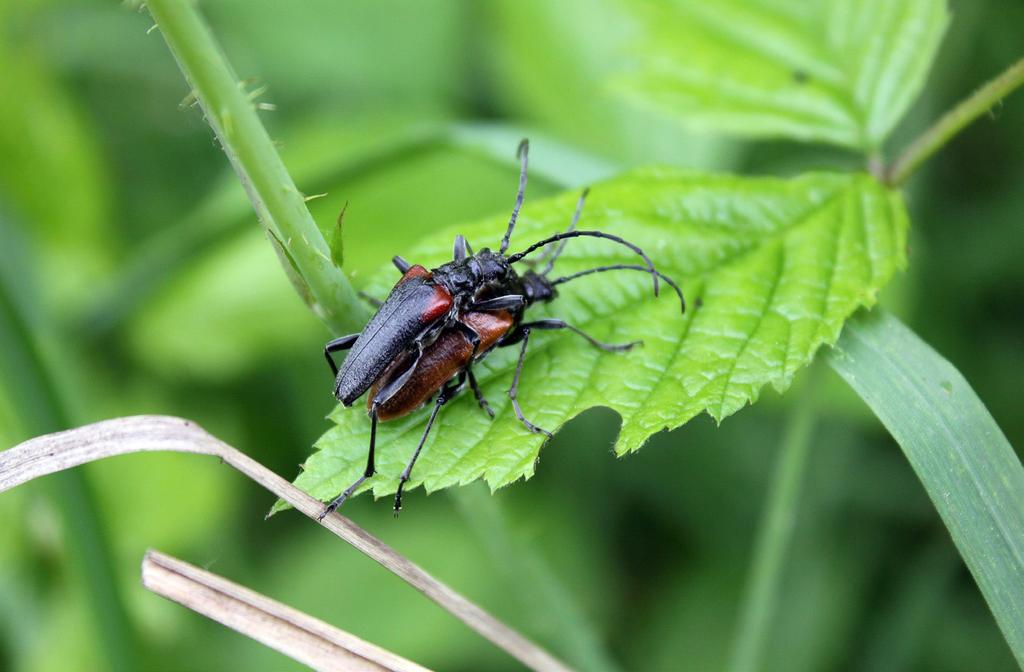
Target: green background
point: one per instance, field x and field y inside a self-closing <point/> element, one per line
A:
<point x="147" y="288"/>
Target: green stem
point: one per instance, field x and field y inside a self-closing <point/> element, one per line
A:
<point x="954" y="121"/>
<point x="776" y="532"/>
<point x="280" y="206"/>
<point x="41" y="410"/>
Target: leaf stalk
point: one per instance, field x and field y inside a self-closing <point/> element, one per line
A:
<point x="954" y="121"/>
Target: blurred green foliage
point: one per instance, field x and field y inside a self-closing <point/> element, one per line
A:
<point x="838" y="71"/>
<point x="101" y="175"/>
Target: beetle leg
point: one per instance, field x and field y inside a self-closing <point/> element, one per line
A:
<point x="369" y="471"/>
<point x="389" y="390"/>
<point x="336" y="344"/>
<point x="477" y="393"/>
<point x="401" y="264"/>
<point x="372" y="300"/>
<point x="395" y="385"/>
<point x="446" y="393"/>
<point x="514" y="390"/>
<point x="460" y="382"/>
<point x="559" y="324"/>
<point x="511" y="338"/>
<point x="506" y="302"/>
<point x="474" y="338"/>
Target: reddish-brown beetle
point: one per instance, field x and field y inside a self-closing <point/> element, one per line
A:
<point x="435" y="324"/>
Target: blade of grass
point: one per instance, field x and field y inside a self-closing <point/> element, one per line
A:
<point x="64" y="450"/>
<point x="295" y="634"/>
<point x="548" y="598"/>
<point x="280" y="206"/>
<point x="40" y="408"/>
<point x="775" y="534"/>
<point x="970" y="471"/>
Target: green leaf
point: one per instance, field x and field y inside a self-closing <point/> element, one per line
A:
<point x="969" y="469"/>
<point x="771" y="268"/>
<point x="837" y="71"/>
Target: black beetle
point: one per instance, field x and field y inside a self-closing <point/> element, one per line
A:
<point x="428" y="333"/>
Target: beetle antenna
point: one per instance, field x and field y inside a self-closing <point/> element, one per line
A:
<point x="592" y="234"/>
<point x="623" y="267"/>
<point x="522" y="152"/>
<point x="552" y="254"/>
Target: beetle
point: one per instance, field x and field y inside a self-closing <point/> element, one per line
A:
<point x="425" y="337"/>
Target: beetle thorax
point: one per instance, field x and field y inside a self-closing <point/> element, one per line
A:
<point x="477" y="275"/>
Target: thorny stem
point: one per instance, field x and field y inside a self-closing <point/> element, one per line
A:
<point x="954" y="121"/>
<point x="280" y="206"/>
